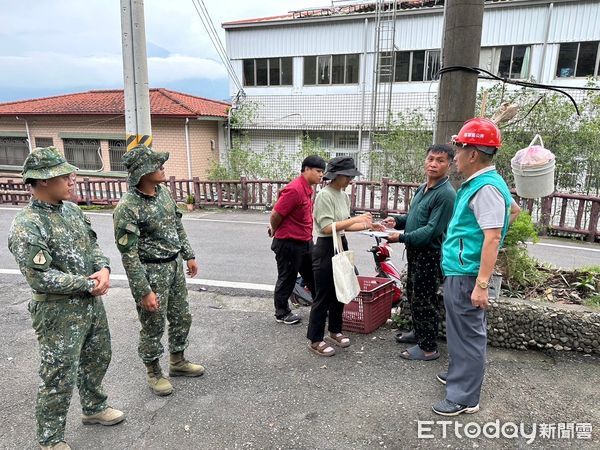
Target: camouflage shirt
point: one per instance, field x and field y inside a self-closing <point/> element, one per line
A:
<point x="55" y="248"/>
<point x="148" y="228"/>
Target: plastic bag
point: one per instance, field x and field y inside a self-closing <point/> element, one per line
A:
<point x="533" y="155"/>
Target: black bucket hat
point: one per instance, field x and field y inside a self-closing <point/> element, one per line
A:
<point x="341" y="165"/>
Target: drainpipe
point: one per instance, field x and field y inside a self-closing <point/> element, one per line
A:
<point x="362" y="89"/>
<point x="28" y="134"/>
<point x="545" y="46"/>
<point x="187" y="148"/>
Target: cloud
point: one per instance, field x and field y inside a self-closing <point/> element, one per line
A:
<point x="49" y="45"/>
<point x="59" y="70"/>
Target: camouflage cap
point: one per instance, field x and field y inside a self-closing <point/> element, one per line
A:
<point x="142" y="160"/>
<point x="45" y="163"/>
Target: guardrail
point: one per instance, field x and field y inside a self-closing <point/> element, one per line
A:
<point x="557" y="214"/>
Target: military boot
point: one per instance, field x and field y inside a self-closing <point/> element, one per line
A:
<point x="181" y="367"/>
<point x="58" y="446"/>
<point x="156" y="380"/>
<point x="110" y="416"/>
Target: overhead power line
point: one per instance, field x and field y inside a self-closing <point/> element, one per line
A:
<point x="216" y="41"/>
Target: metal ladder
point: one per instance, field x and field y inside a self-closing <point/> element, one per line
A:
<point x="383" y="64"/>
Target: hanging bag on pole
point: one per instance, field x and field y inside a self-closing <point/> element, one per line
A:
<point x="344" y="276"/>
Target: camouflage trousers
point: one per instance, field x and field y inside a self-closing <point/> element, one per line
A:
<point x="74" y="347"/>
<point x="167" y="281"/>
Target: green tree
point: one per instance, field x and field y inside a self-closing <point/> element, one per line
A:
<point x="400" y="152"/>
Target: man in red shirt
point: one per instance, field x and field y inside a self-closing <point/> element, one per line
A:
<point x="291" y="226"/>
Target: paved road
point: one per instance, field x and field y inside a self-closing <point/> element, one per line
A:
<point x="233" y="246"/>
<point x="264" y="390"/>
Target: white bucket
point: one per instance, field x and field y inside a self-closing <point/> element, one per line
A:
<point x="534" y="182"/>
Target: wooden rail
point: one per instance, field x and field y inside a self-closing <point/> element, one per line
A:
<point x="558" y="214"/>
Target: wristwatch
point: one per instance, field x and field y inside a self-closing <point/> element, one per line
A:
<point x="482" y="284"/>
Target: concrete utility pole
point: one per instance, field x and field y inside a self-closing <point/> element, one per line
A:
<point x="135" y="74"/>
<point x="463" y="20"/>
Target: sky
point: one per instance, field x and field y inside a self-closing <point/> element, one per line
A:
<point x="54" y="47"/>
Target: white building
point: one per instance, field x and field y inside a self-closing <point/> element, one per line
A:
<point x="312" y="71"/>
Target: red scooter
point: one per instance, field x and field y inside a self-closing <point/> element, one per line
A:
<point x="384" y="266"/>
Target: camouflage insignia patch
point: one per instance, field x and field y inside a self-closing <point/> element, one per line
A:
<point x="132" y="228"/>
<point x="39" y="259"/>
<point x="126" y="238"/>
<point x="123" y="240"/>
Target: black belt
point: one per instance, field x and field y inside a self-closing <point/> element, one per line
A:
<point x="159" y="260"/>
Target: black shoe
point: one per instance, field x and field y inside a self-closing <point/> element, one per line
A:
<point x="289" y="319"/>
<point x="441" y="377"/>
<point x="448" y="408"/>
<point x="406" y="338"/>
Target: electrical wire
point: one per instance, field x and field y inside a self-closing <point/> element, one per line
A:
<point x="216" y="41"/>
<point x="527" y="84"/>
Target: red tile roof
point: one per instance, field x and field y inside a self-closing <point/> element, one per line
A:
<point x="163" y="102"/>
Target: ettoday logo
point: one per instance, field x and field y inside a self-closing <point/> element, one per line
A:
<point x="429" y="429"/>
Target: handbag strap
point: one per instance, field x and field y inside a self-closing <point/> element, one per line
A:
<point x="336" y="240"/>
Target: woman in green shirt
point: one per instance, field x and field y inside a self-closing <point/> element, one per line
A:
<point x="332" y="205"/>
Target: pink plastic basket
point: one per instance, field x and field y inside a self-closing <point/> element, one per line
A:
<point x="371" y="308"/>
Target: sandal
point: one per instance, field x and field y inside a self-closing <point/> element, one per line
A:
<point x="322" y="349"/>
<point x="417" y="354"/>
<point x="339" y="339"/>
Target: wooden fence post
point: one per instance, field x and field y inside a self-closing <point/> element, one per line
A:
<point x="383" y="207"/>
<point x="594" y="216"/>
<point x="172" y="187"/>
<point x="545" y="215"/>
<point x="244" y="181"/>
<point x="196" y="187"/>
<point x="13" y="197"/>
<point x="88" y="191"/>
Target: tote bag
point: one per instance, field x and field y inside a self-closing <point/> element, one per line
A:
<point x="344" y="277"/>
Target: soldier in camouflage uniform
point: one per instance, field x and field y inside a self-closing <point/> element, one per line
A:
<point x="55" y="247"/>
<point x="153" y="244"/>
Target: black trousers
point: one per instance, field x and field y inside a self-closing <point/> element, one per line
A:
<point x="325" y="302"/>
<point x="423" y="280"/>
<point x="292" y="257"/>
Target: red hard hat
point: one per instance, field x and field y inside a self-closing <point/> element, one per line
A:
<point x="479" y="132"/>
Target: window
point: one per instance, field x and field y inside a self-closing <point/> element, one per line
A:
<point x="116" y="150"/>
<point x="268" y="72"/>
<point x="13" y="151"/>
<point x="83" y="153"/>
<point x="337" y="143"/>
<point x="511" y="61"/>
<point x="578" y="59"/>
<point x="420" y="65"/>
<point x="44" y="142"/>
<point x="331" y="69"/>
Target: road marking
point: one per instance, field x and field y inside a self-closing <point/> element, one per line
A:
<point x="194" y="219"/>
<point x="194" y="281"/>
<point x="199" y="219"/>
<point x="569" y="247"/>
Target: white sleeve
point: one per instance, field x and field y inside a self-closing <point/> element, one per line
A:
<point x="489" y="208"/>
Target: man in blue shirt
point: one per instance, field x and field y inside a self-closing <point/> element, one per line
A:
<point x="483" y="211"/>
